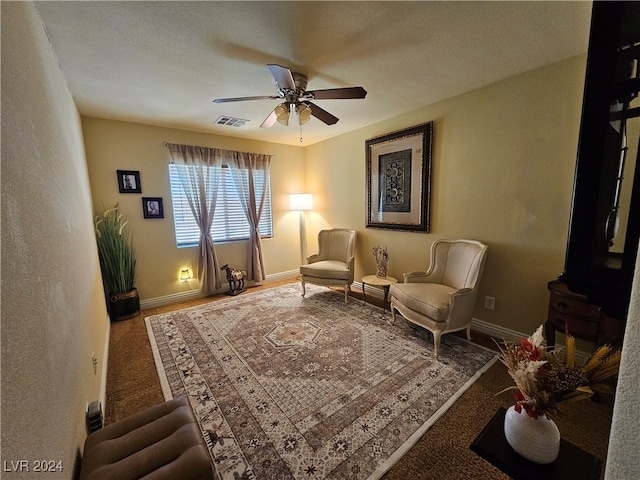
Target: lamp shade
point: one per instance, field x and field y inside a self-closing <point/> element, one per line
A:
<point x="282" y="113"/>
<point x="300" y="201"/>
<point x="184" y="274"/>
<point x="304" y="113"/>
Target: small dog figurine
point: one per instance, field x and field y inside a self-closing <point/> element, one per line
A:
<point x="235" y="279"/>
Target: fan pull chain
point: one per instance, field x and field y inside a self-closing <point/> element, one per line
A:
<point x="300" y="133"/>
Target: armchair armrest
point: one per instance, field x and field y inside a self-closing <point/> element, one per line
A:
<point x="416" y="277"/>
<point x="351" y="261"/>
<point x="462" y="291"/>
<point x="313" y="258"/>
<point x="461" y="304"/>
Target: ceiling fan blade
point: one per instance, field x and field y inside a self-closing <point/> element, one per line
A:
<point x="270" y="120"/>
<point x="338" y="93"/>
<point x="242" y="99"/>
<point x="321" y="114"/>
<point x="283" y="76"/>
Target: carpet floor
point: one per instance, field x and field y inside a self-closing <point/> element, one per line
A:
<point x="308" y="388"/>
<point x="441" y="453"/>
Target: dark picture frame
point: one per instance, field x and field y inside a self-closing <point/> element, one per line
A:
<point x="129" y="181"/>
<point x="152" y="207"/>
<point x="399" y="179"/>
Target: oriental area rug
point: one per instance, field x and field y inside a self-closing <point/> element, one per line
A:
<point x="286" y="387"/>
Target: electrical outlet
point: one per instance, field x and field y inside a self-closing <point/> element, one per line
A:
<point x="490" y="303"/>
<point x="94" y="361"/>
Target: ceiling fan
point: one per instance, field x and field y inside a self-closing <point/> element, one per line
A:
<point x="291" y="87"/>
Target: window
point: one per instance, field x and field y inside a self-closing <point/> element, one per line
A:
<point x="230" y="222"/>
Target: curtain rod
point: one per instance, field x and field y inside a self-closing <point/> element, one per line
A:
<point x="166" y="144"/>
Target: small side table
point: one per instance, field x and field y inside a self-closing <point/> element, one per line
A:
<point x="376" y="281"/>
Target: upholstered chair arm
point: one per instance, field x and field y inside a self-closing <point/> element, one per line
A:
<point x="313" y="258"/>
<point x="351" y="261"/>
<point x="417" y="277"/>
<point x="461" y="307"/>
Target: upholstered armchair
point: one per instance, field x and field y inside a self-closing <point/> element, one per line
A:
<point x="442" y="298"/>
<point x="333" y="264"/>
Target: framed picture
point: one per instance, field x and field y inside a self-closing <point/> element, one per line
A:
<point x="399" y="179"/>
<point x="152" y="207"/>
<point x="129" y="181"/>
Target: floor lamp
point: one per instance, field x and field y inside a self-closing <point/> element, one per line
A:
<point x="302" y="202"/>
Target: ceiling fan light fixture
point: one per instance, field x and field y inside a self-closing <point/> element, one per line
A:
<point x="282" y="113"/>
<point x="292" y="92"/>
<point x="304" y="113"/>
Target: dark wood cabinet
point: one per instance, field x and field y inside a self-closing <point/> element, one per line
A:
<point x="573" y="312"/>
<point x="605" y="217"/>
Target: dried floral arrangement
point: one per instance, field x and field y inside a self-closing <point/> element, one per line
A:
<point x="545" y="379"/>
<point x="380" y="254"/>
<point x="382" y="259"/>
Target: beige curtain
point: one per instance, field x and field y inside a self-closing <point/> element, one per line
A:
<point x="200" y="183"/>
<point x="243" y="168"/>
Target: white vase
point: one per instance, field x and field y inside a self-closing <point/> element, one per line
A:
<point x="537" y="440"/>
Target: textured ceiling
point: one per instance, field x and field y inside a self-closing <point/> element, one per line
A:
<point x="162" y="63"/>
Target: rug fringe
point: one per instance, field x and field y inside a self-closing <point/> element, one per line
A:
<point x="157" y="359"/>
<point x="413" y="439"/>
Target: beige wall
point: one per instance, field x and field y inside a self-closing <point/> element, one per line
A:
<point x="53" y="311"/>
<point x="115" y="146"/>
<point x="503" y="164"/>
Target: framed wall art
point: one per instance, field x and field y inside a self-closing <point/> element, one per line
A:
<point x="129" y="181"/>
<point x="399" y="179"/>
<point x="152" y="207"/>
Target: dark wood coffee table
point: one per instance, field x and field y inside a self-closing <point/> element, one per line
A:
<point x="572" y="462"/>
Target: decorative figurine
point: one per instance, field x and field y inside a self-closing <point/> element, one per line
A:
<point x="235" y="279"/>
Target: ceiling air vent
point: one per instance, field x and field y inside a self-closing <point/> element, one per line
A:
<point x="231" y="121"/>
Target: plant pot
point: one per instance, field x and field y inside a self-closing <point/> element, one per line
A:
<point x="536" y="439"/>
<point x="124" y="305"/>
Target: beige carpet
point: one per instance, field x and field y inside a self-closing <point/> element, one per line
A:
<point x="442" y="453"/>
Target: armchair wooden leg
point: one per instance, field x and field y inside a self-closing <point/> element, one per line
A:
<point x="436" y="344"/>
<point x="346" y="292"/>
<point x="304" y="291"/>
<point x="469" y="332"/>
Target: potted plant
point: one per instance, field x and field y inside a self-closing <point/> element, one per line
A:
<point x="117" y="263"/>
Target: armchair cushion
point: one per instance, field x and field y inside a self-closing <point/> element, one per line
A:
<point x="333" y="269"/>
<point x="430" y="299"/>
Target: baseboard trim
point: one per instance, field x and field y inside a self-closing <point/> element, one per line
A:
<point x="372" y="290"/>
<point x="105" y="364"/>
<point x="172" y="298"/>
<point x="496" y="331"/>
<point x="193" y="294"/>
<point x="502" y="333"/>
